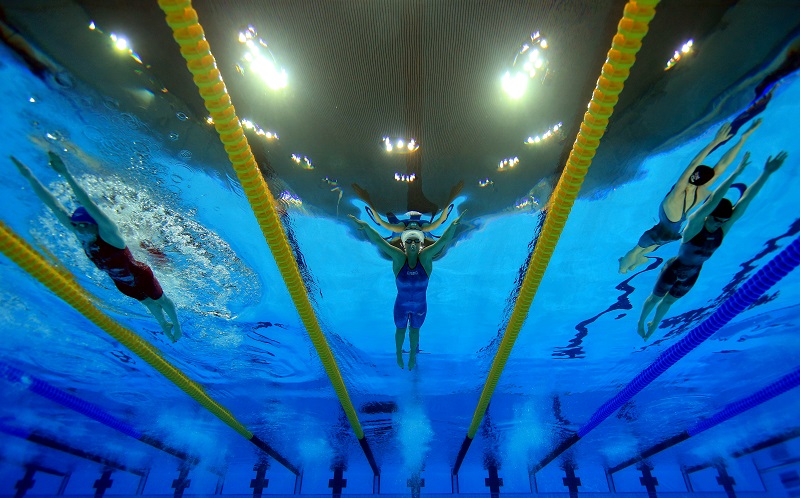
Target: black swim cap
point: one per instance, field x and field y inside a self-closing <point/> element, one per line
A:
<point x="723" y="210"/>
<point x="705" y="174"/>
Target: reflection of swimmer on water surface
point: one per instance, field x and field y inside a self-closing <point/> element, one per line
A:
<point x="702" y="237"/>
<point x="397" y="225"/>
<point x="412" y="269"/>
<point x="688" y="193"/>
<point x="38" y="63"/>
<point x="104" y="246"/>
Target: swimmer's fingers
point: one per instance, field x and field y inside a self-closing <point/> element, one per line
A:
<point x="56" y="163"/>
<point x="773" y="164"/>
<point x="753" y="127"/>
<point x="724" y="132"/>
<point x="744" y="163"/>
<point x="360" y="224"/>
<point x="456" y="190"/>
<point x="26" y="171"/>
<point x="361" y="193"/>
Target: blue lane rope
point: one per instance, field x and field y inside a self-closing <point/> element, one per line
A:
<point x="778" y="387"/>
<point x="83" y="407"/>
<point x="780" y="266"/>
<point x="45" y="390"/>
<point x="757" y="285"/>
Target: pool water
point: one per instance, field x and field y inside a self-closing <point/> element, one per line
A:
<point x="245" y="344"/>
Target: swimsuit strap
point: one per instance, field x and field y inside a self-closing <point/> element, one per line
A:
<point x="694" y="201"/>
<point x="371" y="215"/>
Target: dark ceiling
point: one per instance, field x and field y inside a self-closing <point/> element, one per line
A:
<point x="431" y="70"/>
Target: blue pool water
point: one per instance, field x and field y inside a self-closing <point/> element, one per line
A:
<point x="245" y="344"/>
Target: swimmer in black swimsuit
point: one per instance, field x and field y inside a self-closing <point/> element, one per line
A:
<point x="689" y="192"/>
<point x="104" y="246"/>
<point x="703" y="235"/>
<point x="412" y="269"/>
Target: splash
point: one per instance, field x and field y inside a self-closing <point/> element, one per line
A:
<point x="196" y="267"/>
<point x="414" y="434"/>
<point x="527" y="438"/>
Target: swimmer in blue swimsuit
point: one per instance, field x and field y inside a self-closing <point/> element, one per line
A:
<point x="396" y="225"/>
<point x="689" y="192"/>
<point x="703" y="235"/>
<point x="412" y="269"/>
<point x="104" y="246"/>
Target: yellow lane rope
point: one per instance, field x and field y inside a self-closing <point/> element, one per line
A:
<point x="182" y="18"/>
<point x="626" y="44"/>
<point x="21" y="253"/>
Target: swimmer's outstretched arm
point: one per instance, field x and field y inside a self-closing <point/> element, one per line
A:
<point x="770" y="166"/>
<point x="385" y="247"/>
<point x="698" y="218"/>
<point x="364" y="196"/>
<point x="722" y="135"/>
<point x="443" y="215"/>
<point x="729" y="156"/>
<point x="45" y="195"/>
<point x="107" y="229"/>
<point x="443" y="241"/>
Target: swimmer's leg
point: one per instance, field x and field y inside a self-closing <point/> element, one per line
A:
<point x="399" y="337"/>
<point x="635" y="257"/>
<point x="157" y="307"/>
<point x="413" y="339"/>
<point x="158" y="313"/>
<point x="662" y="309"/>
<point x="169" y="307"/>
<point x="648" y="306"/>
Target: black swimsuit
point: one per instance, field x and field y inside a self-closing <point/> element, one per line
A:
<point x="680" y="273"/>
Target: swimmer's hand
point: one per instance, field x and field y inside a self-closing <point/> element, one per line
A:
<point x="772" y="165"/>
<point x="752" y="128"/>
<point x="724" y="133"/>
<point x="24" y="170"/>
<point x="57" y="164"/>
<point x="362" y="194"/>
<point x="745" y="162"/>
<point x="457" y="220"/>
<point x="455" y="191"/>
<point x="359" y="223"/>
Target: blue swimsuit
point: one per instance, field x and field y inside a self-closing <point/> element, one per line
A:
<point x="666" y="230"/>
<point x="411" y="306"/>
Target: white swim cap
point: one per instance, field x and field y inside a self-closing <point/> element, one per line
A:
<point x="413" y="233"/>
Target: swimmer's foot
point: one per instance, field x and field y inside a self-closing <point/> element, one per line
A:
<point x="400" y="360"/>
<point x="168" y="329"/>
<point x="640" y="329"/>
<point x="623" y="265"/>
<point x="412" y="361"/>
<point x="651" y="328"/>
<point x="640" y="260"/>
<point x="177" y="333"/>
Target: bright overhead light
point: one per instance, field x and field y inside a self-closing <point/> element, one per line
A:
<point x="515" y="84"/>
<point x="515" y="80"/>
<point x="686" y="49"/>
<point x="260" y="61"/>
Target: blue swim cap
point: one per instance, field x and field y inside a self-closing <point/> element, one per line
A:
<point x="81" y="215"/>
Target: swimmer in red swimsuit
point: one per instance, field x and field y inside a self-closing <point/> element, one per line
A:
<point x="104" y="246"/>
<point x="412" y="269"/>
<point x="688" y="193"/>
<point x="703" y="235"/>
